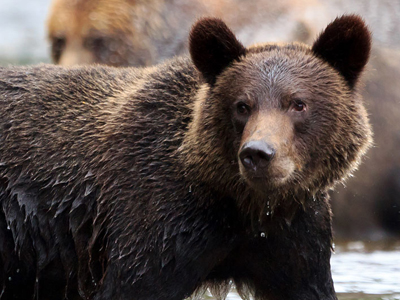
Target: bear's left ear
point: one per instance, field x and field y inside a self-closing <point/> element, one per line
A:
<point x="345" y="44"/>
<point x="213" y="46"/>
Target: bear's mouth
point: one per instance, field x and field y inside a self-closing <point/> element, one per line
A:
<point x="275" y="175"/>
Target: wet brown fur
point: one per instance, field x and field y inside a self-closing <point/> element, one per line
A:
<point x="120" y="183"/>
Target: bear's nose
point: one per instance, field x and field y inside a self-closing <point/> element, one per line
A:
<point x="256" y="154"/>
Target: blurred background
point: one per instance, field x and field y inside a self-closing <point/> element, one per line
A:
<point x="366" y="264"/>
<point x="23" y="31"/>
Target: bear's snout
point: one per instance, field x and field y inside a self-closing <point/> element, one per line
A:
<point x="256" y="155"/>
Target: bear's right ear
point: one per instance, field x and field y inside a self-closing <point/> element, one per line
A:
<point x="345" y="44"/>
<point x="213" y="47"/>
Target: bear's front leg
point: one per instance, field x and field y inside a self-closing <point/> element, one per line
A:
<point x="292" y="259"/>
<point x="165" y="261"/>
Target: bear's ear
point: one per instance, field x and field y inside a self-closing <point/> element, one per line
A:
<point x="345" y="44"/>
<point x="213" y="47"/>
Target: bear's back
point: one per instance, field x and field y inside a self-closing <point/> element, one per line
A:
<point x="46" y="109"/>
<point x="59" y="129"/>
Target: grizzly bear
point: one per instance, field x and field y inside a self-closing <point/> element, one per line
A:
<point x="368" y="206"/>
<point x="201" y="172"/>
<point x="142" y="33"/>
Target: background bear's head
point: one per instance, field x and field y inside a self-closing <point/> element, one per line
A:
<point x="118" y="32"/>
<point x="280" y="117"/>
<point x="102" y="31"/>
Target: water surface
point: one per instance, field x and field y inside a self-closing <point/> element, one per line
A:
<point x="363" y="271"/>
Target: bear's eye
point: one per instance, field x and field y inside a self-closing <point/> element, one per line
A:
<point x="242" y="109"/>
<point x="94" y="43"/>
<point x="57" y="47"/>
<point x="298" y="105"/>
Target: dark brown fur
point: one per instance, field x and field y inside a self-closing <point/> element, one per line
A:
<point x="127" y="183"/>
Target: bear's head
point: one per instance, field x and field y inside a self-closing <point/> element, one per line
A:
<point x="98" y="31"/>
<point x="278" y="118"/>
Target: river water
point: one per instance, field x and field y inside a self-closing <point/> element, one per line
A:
<point x="367" y="270"/>
<point x="363" y="271"/>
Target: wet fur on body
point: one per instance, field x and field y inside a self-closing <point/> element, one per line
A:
<point x="126" y="183"/>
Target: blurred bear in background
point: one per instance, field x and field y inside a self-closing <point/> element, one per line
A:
<point x="145" y="32"/>
<point x="141" y="33"/>
<point x="116" y="32"/>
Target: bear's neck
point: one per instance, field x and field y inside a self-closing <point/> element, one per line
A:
<point x="273" y="205"/>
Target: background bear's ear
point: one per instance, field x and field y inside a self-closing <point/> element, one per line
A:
<point x="213" y="47"/>
<point x="345" y="44"/>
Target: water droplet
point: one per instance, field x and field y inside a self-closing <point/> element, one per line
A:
<point x="9" y="278"/>
<point x="190" y="189"/>
<point x="17" y="270"/>
<point x="262" y="234"/>
<point x="268" y="213"/>
<point x="8" y="227"/>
